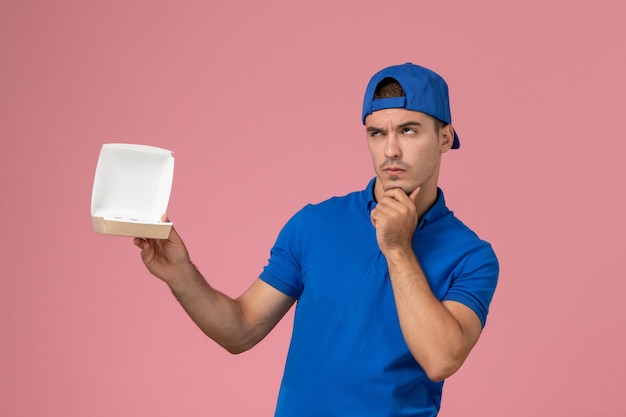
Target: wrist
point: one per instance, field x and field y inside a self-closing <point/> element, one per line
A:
<point x="399" y="253"/>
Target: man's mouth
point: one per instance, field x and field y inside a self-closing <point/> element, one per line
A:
<point x="393" y="170"/>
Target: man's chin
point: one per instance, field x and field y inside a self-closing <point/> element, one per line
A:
<point x="390" y="186"/>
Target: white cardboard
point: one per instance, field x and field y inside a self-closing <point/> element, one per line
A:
<point x="131" y="190"/>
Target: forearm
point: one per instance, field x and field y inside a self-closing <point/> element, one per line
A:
<point x="220" y="317"/>
<point x="236" y="325"/>
<point x="434" y="336"/>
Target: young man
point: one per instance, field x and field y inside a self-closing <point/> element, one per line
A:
<point x="392" y="290"/>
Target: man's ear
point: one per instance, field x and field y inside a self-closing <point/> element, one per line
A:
<point x="446" y="137"/>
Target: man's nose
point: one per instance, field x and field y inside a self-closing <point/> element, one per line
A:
<point x="392" y="147"/>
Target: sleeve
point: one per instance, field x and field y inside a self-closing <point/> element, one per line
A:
<point x="284" y="269"/>
<point x="475" y="282"/>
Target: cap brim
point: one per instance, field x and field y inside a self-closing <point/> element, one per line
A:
<point x="456" y="143"/>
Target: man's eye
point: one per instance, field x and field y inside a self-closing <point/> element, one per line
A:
<point x="408" y="130"/>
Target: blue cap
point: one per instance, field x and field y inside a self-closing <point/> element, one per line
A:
<point x="425" y="91"/>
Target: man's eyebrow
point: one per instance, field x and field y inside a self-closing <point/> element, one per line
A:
<point x="410" y="123"/>
<point x="401" y="125"/>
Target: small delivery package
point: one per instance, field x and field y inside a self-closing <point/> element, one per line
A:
<point x="131" y="190"/>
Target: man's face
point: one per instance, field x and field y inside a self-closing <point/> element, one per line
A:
<point x="406" y="149"/>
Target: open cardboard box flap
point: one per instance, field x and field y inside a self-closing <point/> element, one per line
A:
<point x="131" y="190"/>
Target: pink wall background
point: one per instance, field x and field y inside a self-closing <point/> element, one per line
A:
<point x="261" y="103"/>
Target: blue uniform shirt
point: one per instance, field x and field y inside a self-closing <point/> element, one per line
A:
<point x="347" y="355"/>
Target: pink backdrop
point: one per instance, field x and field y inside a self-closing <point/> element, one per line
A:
<point x="261" y="103"/>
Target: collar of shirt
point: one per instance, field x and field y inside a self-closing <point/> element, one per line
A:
<point x="436" y="211"/>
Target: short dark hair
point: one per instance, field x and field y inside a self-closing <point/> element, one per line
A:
<point x="389" y="88"/>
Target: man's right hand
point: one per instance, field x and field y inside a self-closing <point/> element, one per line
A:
<point x="167" y="258"/>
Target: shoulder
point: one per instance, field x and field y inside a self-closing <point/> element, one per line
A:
<point x="442" y="223"/>
<point x="337" y="205"/>
<point x="344" y="214"/>
<point x="453" y="243"/>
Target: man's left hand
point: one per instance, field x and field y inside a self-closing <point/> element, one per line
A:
<point x="395" y="219"/>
